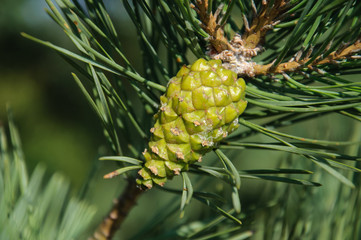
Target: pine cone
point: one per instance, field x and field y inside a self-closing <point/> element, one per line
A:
<point x="200" y="107"/>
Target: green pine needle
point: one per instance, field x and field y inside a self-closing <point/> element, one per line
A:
<point x="31" y="210"/>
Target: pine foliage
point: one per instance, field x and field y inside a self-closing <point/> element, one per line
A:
<point x="295" y="57"/>
<point x="31" y="209"/>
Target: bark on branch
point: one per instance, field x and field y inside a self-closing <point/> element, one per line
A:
<point x="118" y="213"/>
<point x="210" y="24"/>
<point x="343" y="53"/>
<point x="262" y="22"/>
<point x="237" y="54"/>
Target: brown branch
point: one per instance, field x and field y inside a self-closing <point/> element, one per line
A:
<point x="237" y="53"/>
<point x="262" y="22"/>
<point x="254" y="34"/>
<point x="343" y="53"/>
<point x="121" y="207"/>
<point x="210" y="24"/>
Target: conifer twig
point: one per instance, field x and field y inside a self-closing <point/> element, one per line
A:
<point x="241" y="49"/>
<point x="238" y="53"/>
<point x="254" y="35"/>
<point x="121" y="207"/>
<point x="210" y="24"/>
<point x="333" y="57"/>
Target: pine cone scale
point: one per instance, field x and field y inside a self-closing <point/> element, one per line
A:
<point x="201" y="106"/>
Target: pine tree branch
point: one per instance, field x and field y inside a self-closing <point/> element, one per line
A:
<point x="121" y="207"/>
<point x="254" y="35"/>
<point x="294" y="64"/>
<point x="211" y="24"/>
<point x="264" y="21"/>
<point x="238" y="53"/>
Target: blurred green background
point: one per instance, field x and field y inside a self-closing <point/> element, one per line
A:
<point x="56" y="124"/>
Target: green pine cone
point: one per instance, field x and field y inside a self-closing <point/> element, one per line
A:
<point x="200" y="107"/>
